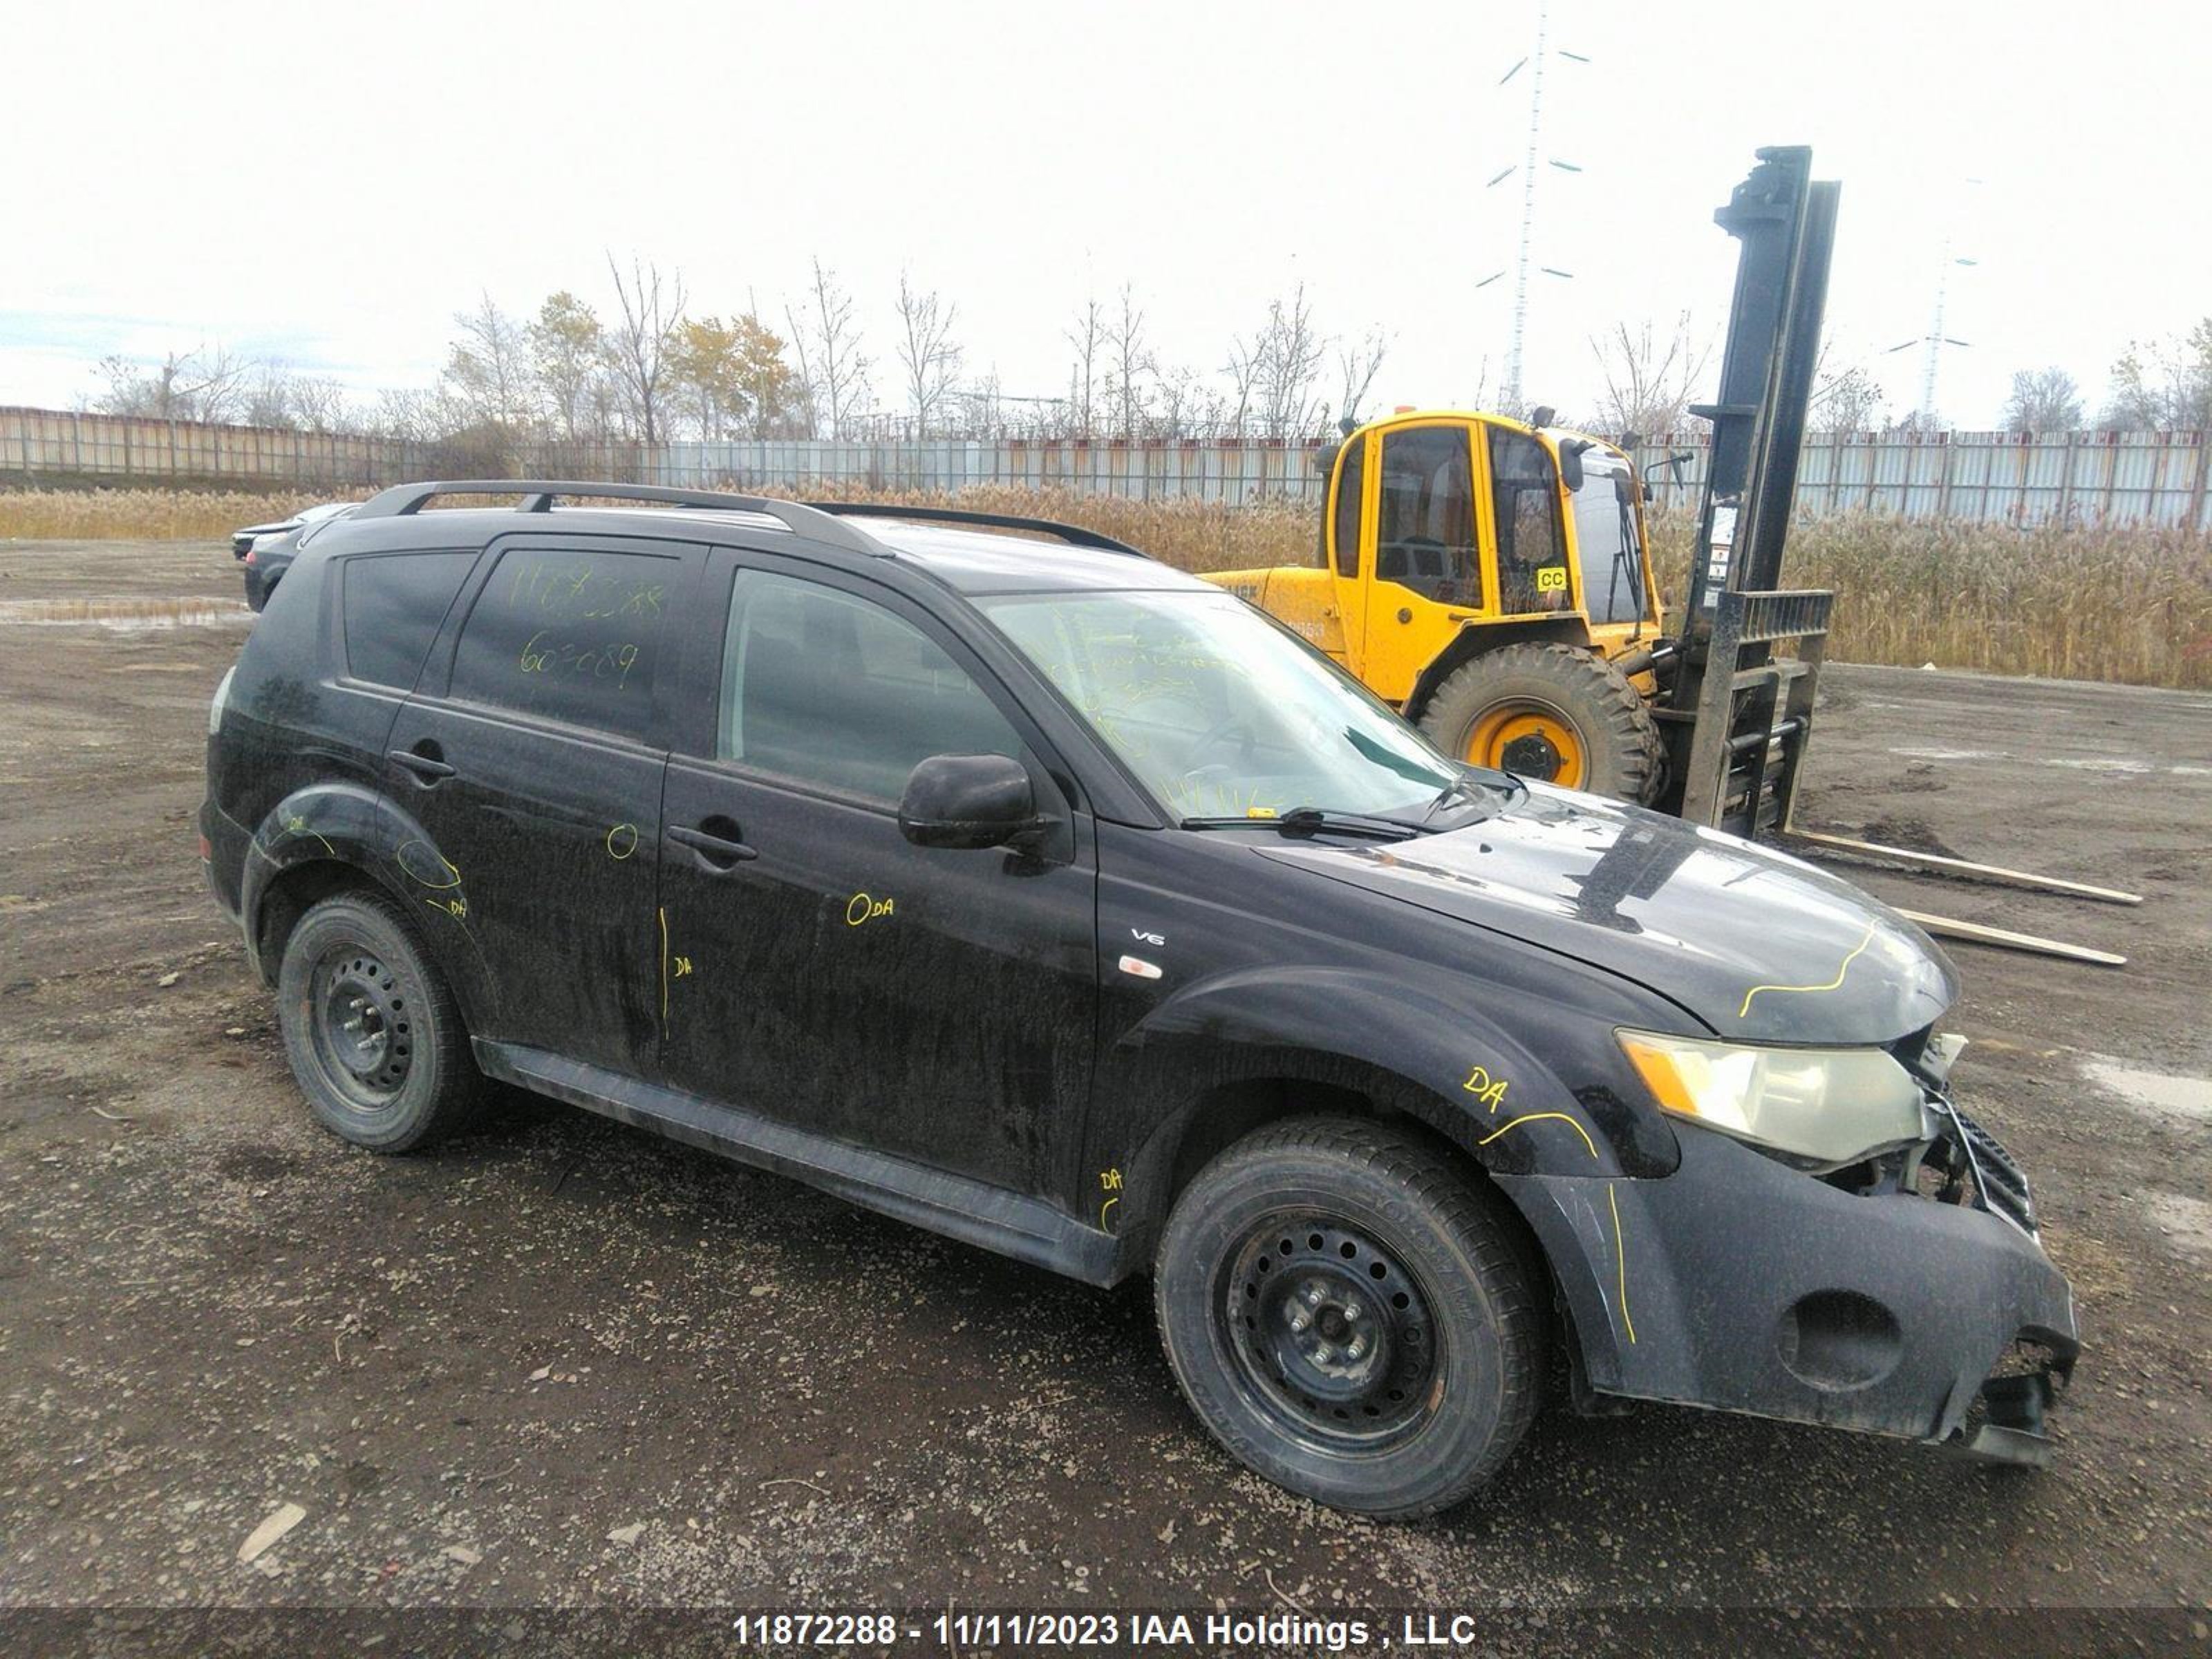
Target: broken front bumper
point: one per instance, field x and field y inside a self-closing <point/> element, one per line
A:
<point x="1740" y="1284"/>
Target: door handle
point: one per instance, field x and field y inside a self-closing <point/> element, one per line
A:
<point x="718" y="851"/>
<point x="428" y="768"/>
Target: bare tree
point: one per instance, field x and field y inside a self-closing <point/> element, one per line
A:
<point x="1086" y="337"/>
<point x="1189" y="405"/>
<point x="1357" y="366"/>
<point x="1648" y="380"/>
<point x="1274" y="372"/>
<point x="927" y="351"/>
<point x="487" y="371"/>
<point x="832" y="367"/>
<point x="2043" y="400"/>
<point x="320" y="403"/>
<point x="2164" y="385"/>
<point x="1844" y="399"/>
<point x="1129" y="366"/>
<point x="638" y="343"/>
<point x="206" y="384"/>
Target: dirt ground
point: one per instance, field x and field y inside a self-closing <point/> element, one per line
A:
<point x="563" y="1363"/>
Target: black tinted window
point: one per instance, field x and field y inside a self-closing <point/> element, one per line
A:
<point x="1350" y="478"/>
<point x="571" y="636"/>
<point x="394" y="604"/>
<point x="829" y="689"/>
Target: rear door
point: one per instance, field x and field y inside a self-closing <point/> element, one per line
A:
<point x="532" y="757"/>
<point x="819" y="969"/>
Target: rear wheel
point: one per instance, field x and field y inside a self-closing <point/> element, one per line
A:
<point x="372" y="1032"/>
<point x="1349" y="1317"/>
<point x="1553" y="713"/>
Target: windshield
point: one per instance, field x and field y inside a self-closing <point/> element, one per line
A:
<point x="1219" y="713"/>
<point x="1605" y="535"/>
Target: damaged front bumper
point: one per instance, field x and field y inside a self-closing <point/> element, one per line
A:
<point x="1928" y="1310"/>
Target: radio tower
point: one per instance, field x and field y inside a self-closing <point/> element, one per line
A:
<point x="1532" y="157"/>
<point x="1528" y="210"/>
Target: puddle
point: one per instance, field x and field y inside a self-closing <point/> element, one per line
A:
<point x="2186" y="1221"/>
<point x="2162" y="1094"/>
<point x="125" y="615"/>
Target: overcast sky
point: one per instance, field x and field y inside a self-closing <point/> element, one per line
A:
<point x="328" y="184"/>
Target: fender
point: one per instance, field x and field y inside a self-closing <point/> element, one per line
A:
<point x="1561" y="1122"/>
<point x="1439" y="1059"/>
<point x="349" y="824"/>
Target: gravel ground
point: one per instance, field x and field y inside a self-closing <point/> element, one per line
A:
<point x="562" y="1364"/>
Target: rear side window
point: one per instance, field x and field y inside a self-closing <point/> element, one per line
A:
<point x="1349" y="479"/>
<point x="570" y="636"/>
<point x="395" y="604"/>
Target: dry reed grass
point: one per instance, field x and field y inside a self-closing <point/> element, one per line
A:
<point x="2127" y="604"/>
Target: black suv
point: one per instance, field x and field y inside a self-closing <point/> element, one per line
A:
<point x="1026" y="889"/>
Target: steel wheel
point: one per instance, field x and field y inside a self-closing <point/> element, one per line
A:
<point x="363" y="1032"/>
<point x="1530" y="739"/>
<point x="1331" y="1332"/>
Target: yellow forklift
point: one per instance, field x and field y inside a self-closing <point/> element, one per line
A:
<point x="1492" y="579"/>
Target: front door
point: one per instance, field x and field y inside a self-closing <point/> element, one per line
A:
<point x="531" y="758"/>
<point x="819" y="969"/>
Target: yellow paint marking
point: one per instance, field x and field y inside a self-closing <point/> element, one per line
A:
<point x="1103" y="1208"/>
<point x="627" y="834"/>
<point x="862" y="907"/>
<point x="663" y="967"/>
<point x="1620" y="1262"/>
<point x="1538" y="1117"/>
<point x="452" y="871"/>
<point x="1812" y="990"/>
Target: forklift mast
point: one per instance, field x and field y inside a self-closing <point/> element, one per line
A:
<point x="1736" y="714"/>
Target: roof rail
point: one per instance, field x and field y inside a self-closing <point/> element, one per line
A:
<point x="538" y="496"/>
<point x="1074" y="535"/>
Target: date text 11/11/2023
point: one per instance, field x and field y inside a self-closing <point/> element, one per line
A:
<point x="1258" y="1633"/>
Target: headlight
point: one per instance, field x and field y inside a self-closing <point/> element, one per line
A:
<point x="1827" y="1106"/>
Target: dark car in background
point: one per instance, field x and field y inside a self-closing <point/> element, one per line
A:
<point x="267" y="550"/>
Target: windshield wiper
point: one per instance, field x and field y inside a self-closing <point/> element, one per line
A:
<point x="1302" y="822"/>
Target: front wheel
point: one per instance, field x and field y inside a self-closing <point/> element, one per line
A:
<point x="1554" y="713"/>
<point x="1349" y="1317"/>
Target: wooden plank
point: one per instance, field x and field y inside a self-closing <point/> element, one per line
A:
<point x="1949" y="928"/>
<point x="1983" y="871"/>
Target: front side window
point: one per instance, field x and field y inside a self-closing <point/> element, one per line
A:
<point x="1424" y="536"/>
<point x="1217" y="711"/>
<point x="1532" y="557"/>
<point x="828" y="689"/>
<point x="569" y="636"/>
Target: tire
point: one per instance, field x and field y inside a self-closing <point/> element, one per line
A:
<point x="372" y="1033"/>
<point x="1554" y="713"/>
<point x="1440" y="1287"/>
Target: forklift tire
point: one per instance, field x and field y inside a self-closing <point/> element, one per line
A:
<point x="1555" y="714"/>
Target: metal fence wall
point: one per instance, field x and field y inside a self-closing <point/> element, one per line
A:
<point x="2117" y="477"/>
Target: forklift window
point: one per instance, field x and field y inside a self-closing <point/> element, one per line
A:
<point x="1532" y="560"/>
<point x="1606" y="540"/>
<point x="1350" y="476"/>
<point x="1425" y="539"/>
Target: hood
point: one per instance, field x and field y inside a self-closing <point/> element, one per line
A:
<point x="1756" y="944"/>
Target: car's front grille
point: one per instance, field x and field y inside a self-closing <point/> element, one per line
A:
<point x="2000" y="1184"/>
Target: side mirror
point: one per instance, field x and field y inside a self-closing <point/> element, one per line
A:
<point x="971" y="801"/>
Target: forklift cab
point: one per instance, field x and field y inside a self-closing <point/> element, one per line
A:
<point x="1438" y="523"/>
